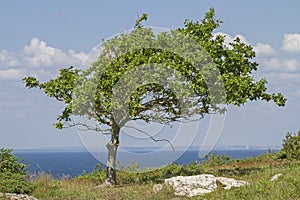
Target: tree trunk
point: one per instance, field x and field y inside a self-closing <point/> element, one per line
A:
<point x="112" y="147"/>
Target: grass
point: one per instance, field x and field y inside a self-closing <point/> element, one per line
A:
<point x="257" y="171"/>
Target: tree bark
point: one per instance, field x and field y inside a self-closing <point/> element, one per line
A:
<point x="112" y="147"/>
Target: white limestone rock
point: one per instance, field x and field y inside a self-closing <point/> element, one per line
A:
<point x="200" y="184"/>
<point x="228" y="183"/>
<point x="17" y="196"/>
<point x="275" y="177"/>
<point x="157" y="188"/>
<point x="192" y="185"/>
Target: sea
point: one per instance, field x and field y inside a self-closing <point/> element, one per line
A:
<point x="73" y="163"/>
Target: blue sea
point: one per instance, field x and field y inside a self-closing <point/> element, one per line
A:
<point x="63" y="163"/>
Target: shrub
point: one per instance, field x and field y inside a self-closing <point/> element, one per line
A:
<point x="13" y="174"/>
<point x="14" y="183"/>
<point x="9" y="163"/>
<point x="213" y="159"/>
<point x="291" y="146"/>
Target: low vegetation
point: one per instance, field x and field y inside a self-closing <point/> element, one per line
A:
<point x="139" y="185"/>
<point x="13" y="177"/>
<point x="291" y="146"/>
<point x="257" y="171"/>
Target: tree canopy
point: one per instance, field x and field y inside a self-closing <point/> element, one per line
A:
<point x="129" y="50"/>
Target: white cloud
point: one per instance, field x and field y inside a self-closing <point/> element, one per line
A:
<point x="260" y="49"/>
<point x="276" y="64"/>
<point x="291" y="65"/>
<point x="8" y="60"/>
<point x="80" y="56"/>
<point x="38" y="54"/>
<point x="287" y="77"/>
<point x="12" y="74"/>
<point x="285" y="82"/>
<point x="291" y="43"/>
<point x="228" y="38"/>
<point x="35" y="57"/>
<point x="242" y="38"/>
<point x="282" y="73"/>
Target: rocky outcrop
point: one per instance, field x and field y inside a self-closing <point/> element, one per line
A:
<point x="228" y="183"/>
<point x="199" y="184"/>
<point x="17" y="196"/>
<point x="192" y="185"/>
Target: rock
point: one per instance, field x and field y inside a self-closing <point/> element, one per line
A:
<point x="275" y="177"/>
<point x="17" y="196"/>
<point x="228" y="183"/>
<point x="157" y="188"/>
<point x="192" y="185"/>
<point x="200" y="184"/>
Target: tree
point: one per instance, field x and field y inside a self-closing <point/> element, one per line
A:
<point x="13" y="174"/>
<point x="163" y="77"/>
<point x="291" y="146"/>
<point x="9" y="163"/>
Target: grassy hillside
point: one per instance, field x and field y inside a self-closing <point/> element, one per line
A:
<point x="257" y="171"/>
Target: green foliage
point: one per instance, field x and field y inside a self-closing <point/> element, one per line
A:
<point x="60" y="88"/>
<point x="123" y="53"/>
<point x="291" y="146"/>
<point x="213" y="159"/>
<point x="31" y="82"/>
<point x="15" y="183"/>
<point x="138" y="24"/>
<point x="13" y="174"/>
<point x="9" y="163"/>
<point x="144" y="176"/>
<point x="235" y="64"/>
<point x="132" y="167"/>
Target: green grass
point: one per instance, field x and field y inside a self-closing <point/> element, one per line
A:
<point x="257" y="171"/>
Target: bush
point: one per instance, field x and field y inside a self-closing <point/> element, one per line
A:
<point x="14" y="183"/>
<point x="291" y="146"/>
<point x="13" y="174"/>
<point x="9" y="163"/>
<point x="213" y="159"/>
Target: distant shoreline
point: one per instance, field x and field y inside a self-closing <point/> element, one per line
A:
<point x="138" y="149"/>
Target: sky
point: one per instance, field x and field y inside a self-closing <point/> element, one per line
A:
<point x="37" y="38"/>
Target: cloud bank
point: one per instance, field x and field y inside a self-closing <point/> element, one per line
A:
<point x="35" y="58"/>
<point x="291" y="43"/>
<point x="41" y="60"/>
<point x="281" y="68"/>
<point x="261" y="50"/>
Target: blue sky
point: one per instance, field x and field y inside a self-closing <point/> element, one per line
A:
<point x="39" y="37"/>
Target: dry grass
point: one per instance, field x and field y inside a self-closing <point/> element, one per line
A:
<point x="257" y="171"/>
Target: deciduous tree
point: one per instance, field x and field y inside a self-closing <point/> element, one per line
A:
<point x="163" y="77"/>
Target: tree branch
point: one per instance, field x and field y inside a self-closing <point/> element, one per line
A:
<point x="88" y="128"/>
<point x="155" y="140"/>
